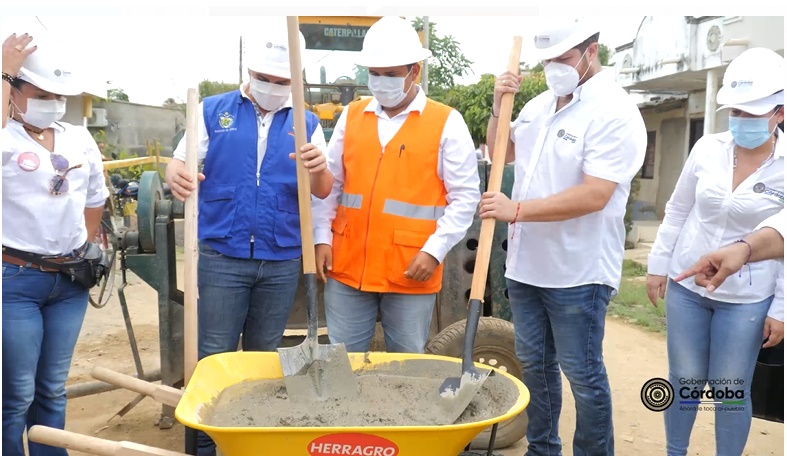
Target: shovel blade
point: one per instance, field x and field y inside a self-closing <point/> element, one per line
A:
<point x="327" y="375"/>
<point x="456" y="393"/>
<point x="295" y="359"/>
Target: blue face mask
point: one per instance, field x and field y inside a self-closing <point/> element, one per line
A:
<point x="750" y="132"/>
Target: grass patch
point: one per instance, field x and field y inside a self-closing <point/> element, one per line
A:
<point x="633" y="269"/>
<point x="632" y="305"/>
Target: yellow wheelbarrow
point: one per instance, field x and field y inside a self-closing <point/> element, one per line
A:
<point x="215" y="373"/>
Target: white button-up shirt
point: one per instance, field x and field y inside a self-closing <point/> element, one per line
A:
<point x="35" y="220"/>
<point x="599" y="133"/>
<point x="705" y="214"/>
<point x="263" y="127"/>
<point x="778" y="222"/>
<point x="457" y="166"/>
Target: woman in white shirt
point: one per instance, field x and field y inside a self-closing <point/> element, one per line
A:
<point x="53" y="196"/>
<point x="731" y="182"/>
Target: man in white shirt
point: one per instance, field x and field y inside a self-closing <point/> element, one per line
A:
<point x="405" y="192"/>
<point x="576" y="147"/>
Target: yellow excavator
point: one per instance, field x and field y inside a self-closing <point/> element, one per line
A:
<point x="335" y="33"/>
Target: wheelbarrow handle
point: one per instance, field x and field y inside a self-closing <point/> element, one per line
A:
<point x="161" y="393"/>
<point x="92" y="445"/>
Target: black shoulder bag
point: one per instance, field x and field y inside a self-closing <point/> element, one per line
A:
<point x="87" y="268"/>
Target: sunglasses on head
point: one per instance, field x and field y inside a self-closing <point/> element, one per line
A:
<point x="59" y="183"/>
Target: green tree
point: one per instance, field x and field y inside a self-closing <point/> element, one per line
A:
<point x="207" y="88"/>
<point x="474" y="101"/>
<point x="171" y="103"/>
<point x="604" y="53"/>
<point x="447" y="62"/>
<point x="116" y="95"/>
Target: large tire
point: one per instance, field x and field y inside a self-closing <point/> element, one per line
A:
<point x="494" y="346"/>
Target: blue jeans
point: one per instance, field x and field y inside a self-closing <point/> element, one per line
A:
<point x="563" y="329"/>
<point x="238" y="295"/>
<point x="42" y="317"/>
<point x="711" y="342"/>
<point x="351" y="316"/>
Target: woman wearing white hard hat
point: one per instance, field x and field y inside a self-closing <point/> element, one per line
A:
<point x="53" y="196"/>
<point x="731" y="183"/>
<point x="407" y="185"/>
<point x="249" y="223"/>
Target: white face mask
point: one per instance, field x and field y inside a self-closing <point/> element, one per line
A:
<point x="563" y="79"/>
<point x="388" y="91"/>
<point x="43" y="113"/>
<point x="269" y="96"/>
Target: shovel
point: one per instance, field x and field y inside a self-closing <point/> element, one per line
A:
<point x="86" y="444"/>
<point x="456" y="393"/>
<point x="311" y="371"/>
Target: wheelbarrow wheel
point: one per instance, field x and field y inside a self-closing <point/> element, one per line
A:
<point x="494" y="346"/>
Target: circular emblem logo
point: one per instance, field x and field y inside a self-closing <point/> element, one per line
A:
<point x="560" y="133"/>
<point x="28" y="161"/>
<point x="269" y="45"/>
<point x="759" y="187"/>
<point x="734" y="84"/>
<point x="58" y="72"/>
<point x="657" y="394"/>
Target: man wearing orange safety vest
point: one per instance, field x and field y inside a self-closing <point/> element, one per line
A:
<point x="405" y="192"/>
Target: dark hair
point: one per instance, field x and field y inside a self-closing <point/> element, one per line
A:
<point x="583" y="46"/>
<point x="18" y="83"/>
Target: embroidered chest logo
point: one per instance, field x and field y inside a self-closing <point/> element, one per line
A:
<point x="226" y="120"/>
<point x="562" y="134"/>
<point x="759" y="187"/>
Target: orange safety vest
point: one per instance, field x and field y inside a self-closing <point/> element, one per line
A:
<point x="392" y="199"/>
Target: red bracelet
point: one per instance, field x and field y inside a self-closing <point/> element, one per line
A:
<point x="517" y="213"/>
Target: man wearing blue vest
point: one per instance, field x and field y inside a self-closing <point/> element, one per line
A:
<point x="249" y="222"/>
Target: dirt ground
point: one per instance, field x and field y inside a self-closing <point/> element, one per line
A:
<point x="632" y="355"/>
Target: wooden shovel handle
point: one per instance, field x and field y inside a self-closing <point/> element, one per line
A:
<point x="191" y="255"/>
<point x="161" y="393"/>
<point x="86" y="444"/>
<point x="495" y="179"/>
<point x="299" y="124"/>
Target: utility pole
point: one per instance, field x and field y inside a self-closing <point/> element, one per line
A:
<point x="240" y="61"/>
<point x="425" y="78"/>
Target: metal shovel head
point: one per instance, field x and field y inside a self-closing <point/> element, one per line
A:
<point x="456" y="393"/>
<point x="327" y="375"/>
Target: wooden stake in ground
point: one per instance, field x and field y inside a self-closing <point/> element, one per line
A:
<point x="190" y="292"/>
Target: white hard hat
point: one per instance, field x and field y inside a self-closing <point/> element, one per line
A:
<point x="557" y="37"/>
<point x="270" y="53"/>
<point x="391" y="42"/>
<point x="753" y="82"/>
<point x="50" y="67"/>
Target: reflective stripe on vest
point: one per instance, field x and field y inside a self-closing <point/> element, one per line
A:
<point x="413" y="211"/>
<point x="351" y="201"/>
<point x="393" y="207"/>
<point x="392" y="200"/>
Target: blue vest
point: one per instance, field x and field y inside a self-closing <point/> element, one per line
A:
<point x="240" y="215"/>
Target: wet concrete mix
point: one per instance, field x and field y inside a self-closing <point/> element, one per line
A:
<point x="395" y="394"/>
